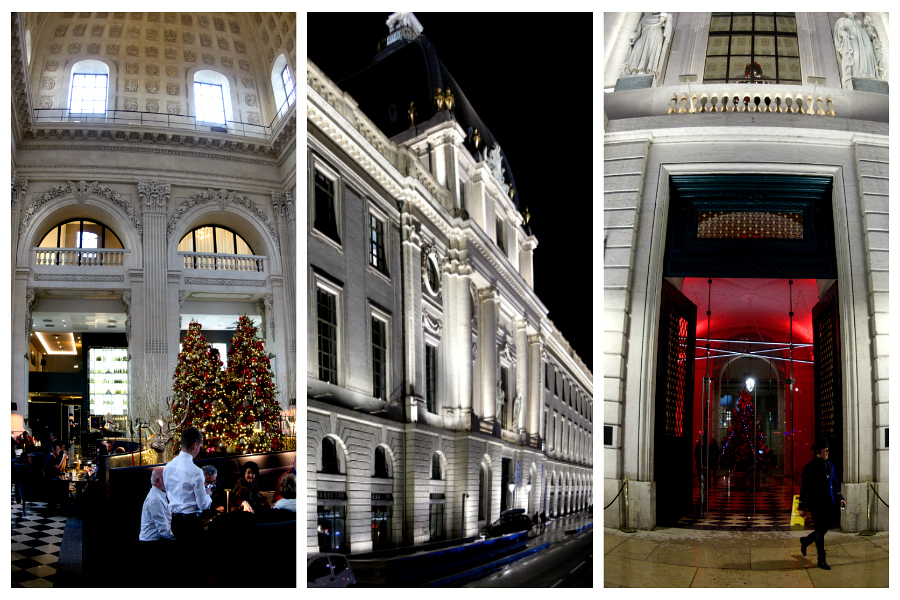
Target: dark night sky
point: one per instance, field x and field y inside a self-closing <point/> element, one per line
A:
<point x="529" y="77"/>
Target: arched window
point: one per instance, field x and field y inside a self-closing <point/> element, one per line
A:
<point x="214" y="239"/>
<point x="381" y="463"/>
<point x="211" y="97"/>
<point x="330" y="462"/>
<point x="482" y="501"/>
<point x="88" y="87"/>
<point x="436" y="467"/>
<point x="81" y="233"/>
<point x="282" y="85"/>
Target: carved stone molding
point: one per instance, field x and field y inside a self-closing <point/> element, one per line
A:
<point x="432" y="324"/>
<point x="126" y="300"/>
<point x="221" y="197"/>
<point x="199" y="281"/>
<point x="19" y="185"/>
<point x="81" y="191"/>
<point x="154" y="195"/>
<point x="259" y="212"/>
<point x="283" y="205"/>
<point x="99" y="278"/>
<point x="181" y="298"/>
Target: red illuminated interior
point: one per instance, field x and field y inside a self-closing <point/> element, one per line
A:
<point x="757" y="310"/>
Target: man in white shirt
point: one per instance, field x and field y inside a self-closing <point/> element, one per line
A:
<point x="156" y="521"/>
<point x="185" y="487"/>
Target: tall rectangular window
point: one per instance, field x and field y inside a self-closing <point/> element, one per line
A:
<point x="431" y="378"/>
<point x="288" y="86"/>
<point x="326" y="316"/>
<point x="209" y="103"/>
<point x="325" y="218"/>
<point x="379" y="359"/>
<point x="752" y="47"/>
<point x="500" y="241"/>
<point x="376" y="244"/>
<point x="88" y="94"/>
<point x="547" y="375"/>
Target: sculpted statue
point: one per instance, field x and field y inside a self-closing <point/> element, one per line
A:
<point x="517" y="409"/>
<point x="501" y="398"/>
<point x="858" y="49"/>
<point x="646" y="45"/>
<point x="493" y="159"/>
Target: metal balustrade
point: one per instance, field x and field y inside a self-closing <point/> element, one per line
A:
<point x="223" y="262"/>
<point x="164" y="120"/>
<point x="80" y="257"/>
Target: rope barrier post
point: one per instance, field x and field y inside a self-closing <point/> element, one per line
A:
<point x="627" y="528"/>
<point x="869" y="531"/>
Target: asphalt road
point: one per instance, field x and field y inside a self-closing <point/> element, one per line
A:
<point x="567" y="563"/>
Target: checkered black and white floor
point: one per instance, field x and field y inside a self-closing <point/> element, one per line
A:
<point x="36" y="540"/>
<point x="737" y="509"/>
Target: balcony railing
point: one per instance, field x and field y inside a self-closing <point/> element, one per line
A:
<point x="164" y="120"/>
<point x="223" y="262"/>
<point x="80" y="257"/>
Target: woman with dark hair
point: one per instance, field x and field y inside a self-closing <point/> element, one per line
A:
<point x="245" y="494"/>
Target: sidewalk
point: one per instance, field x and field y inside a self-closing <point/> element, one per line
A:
<point x="673" y="557"/>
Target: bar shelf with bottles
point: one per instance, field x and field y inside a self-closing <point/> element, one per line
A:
<point x="108" y="381"/>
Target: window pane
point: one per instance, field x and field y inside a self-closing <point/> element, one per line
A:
<point x="69" y="237"/>
<point x="242" y="247"/>
<point x="91" y="235"/>
<point x="742" y="23"/>
<point x="787" y="46"/>
<point x="204" y="239"/>
<point x="715" y="68"/>
<point x="88" y="93"/>
<point x="111" y="240"/>
<point x="224" y="241"/>
<point x="210" y="104"/>
<point x="768" y="66"/>
<point x="764" y="44"/>
<point x="187" y="243"/>
<point x="738" y="64"/>
<point x="786" y="24"/>
<point x="720" y="24"/>
<point x="765" y="23"/>
<point x="789" y="68"/>
<point x="718" y="45"/>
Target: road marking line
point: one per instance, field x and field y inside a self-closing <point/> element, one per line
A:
<point x="556" y="584"/>
<point x="576" y="568"/>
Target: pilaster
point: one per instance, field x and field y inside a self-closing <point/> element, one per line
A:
<point x="19" y="187"/>
<point x="457" y="306"/>
<point x="23" y="301"/>
<point x="526" y="260"/>
<point x="535" y="387"/>
<point x="522" y="371"/>
<point x="489" y="300"/>
<point x="414" y="341"/>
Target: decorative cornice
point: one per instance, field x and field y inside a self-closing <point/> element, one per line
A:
<point x="259" y="212"/>
<point x="81" y="191"/>
<point x="154" y="196"/>
<point x="20" y="82"/>
<point x="158" y="147"/>
<point x="228" y="282"/>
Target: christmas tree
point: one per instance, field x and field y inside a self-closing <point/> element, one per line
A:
<point x="738" y="449"/>
<point x="198" y="388"/>
<point x="253" y="419"/>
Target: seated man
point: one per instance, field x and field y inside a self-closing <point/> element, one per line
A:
<point x="54" y="468"/>
<point x="292" y="471"/>
<point x="218" y="496"/>
<point x="156" y="520"/>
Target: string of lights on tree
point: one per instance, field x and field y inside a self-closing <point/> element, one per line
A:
<point x="236" y="410"/>
<point x="738" y="449"/>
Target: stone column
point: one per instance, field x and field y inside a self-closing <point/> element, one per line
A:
<point x="522" y="371"/>
<point x="526" y="260"/>
<point x="458" y="329"/>
<point x="535" y="387"/>
<point x="487" y="334"/>
<point x="285" y="218"/>
<point x="23" y="301"/>
<point x="19" y="185"/>
<point x="414" y="341"/>
<point x="154" y="197"/>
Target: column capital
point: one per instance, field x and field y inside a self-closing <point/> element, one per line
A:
<point x="154" y="195"/>
<point x="489" y="293"/>
<point x="536" y="339"/>
<point x="19" y="185"/>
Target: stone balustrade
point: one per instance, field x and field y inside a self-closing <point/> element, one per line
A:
<point x="80" y="257"/>
<point x="747" y="100"/>
<point x="223" y="262"/>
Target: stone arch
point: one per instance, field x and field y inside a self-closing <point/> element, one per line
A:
<point x="442" y="461"/>
<point x="342" y="452"/>
<point x="218" y="208"/>
<point x="388" y="456"/>
<point x="485" y="494"/>
<point x="61" y="204"/>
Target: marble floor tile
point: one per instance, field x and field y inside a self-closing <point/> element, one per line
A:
<point x="733" y="578"/>
<point x="611" y="541"/>
<point x="626" y="572"/>
<point x="702" y="556"/>
<point x="634" y="549"/>
<point x="868" y="574"/>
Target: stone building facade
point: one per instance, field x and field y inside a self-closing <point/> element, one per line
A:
<point x="439" y="393"/>
<point x="776" y="107"/>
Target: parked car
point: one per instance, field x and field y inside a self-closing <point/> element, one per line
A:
<point x="510" y="521"/>
<point x="329" y="571"/>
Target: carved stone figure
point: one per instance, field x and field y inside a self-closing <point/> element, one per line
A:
<point x="646" y="45"/>
<point x="494" y="159"/>
<point x="517" y="409"/>
<point x="858" y="49"/>
<point x="501" y="398"/>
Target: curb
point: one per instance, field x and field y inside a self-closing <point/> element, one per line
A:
<point x="582" y="528"/>
<point x="473" y="572"/>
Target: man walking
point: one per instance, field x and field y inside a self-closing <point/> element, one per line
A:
<point x="820" y="491"/>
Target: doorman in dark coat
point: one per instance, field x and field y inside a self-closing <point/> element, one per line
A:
<point x="820" y="491"/>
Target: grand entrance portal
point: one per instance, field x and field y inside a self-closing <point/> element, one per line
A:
<point x="748" y="353"/>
